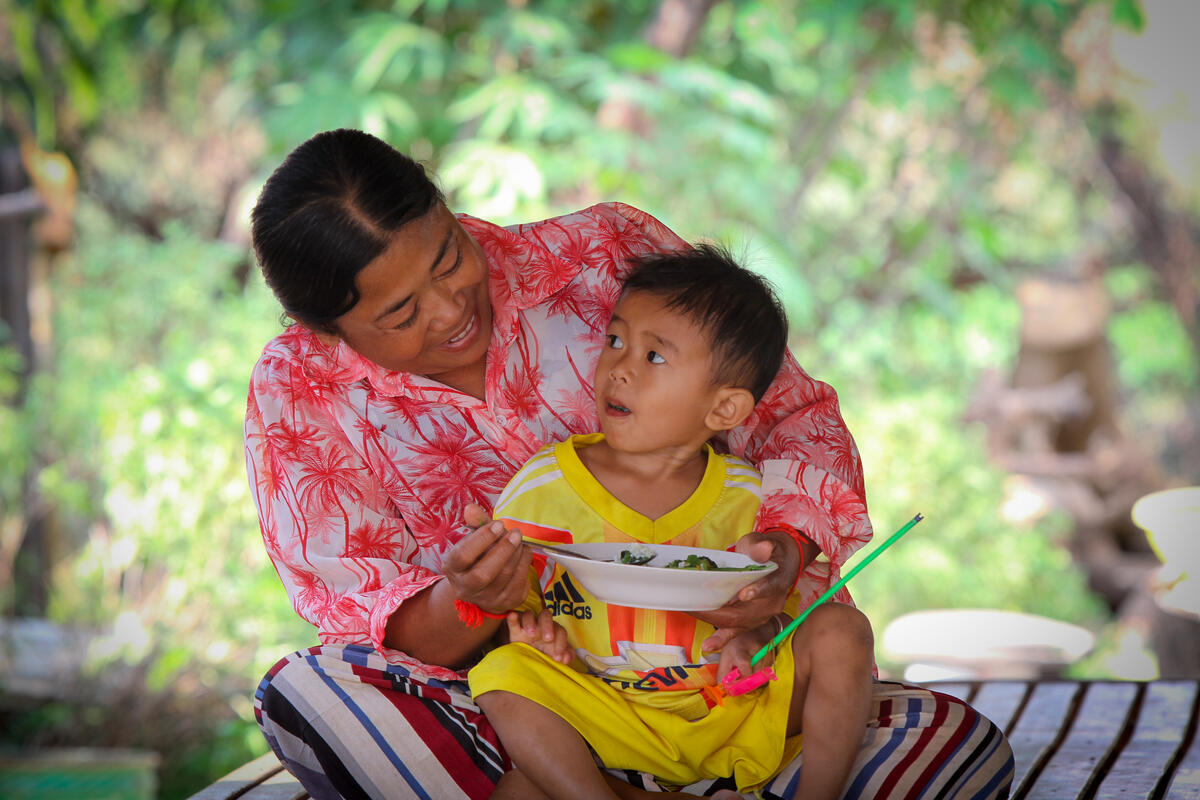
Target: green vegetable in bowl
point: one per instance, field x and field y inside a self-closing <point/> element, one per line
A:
<point x="640" y="555"/>
<point x="637" y="555"/>
<point x="693" y="561"/>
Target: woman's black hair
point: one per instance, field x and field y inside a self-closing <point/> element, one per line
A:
<point x="736" y="309"/>
<point x="326" y="212"/>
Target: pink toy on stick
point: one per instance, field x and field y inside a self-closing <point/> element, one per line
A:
<point x="734" y="684"/>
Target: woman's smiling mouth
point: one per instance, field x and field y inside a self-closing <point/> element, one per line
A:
<point x="464" y="336"/>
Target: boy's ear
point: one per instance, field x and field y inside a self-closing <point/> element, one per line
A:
<point x="731" y="405"/>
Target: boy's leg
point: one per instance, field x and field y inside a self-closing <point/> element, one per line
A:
<point x="545" y="748"/>
<point x="834" y="656"/>
<point x="551" y="758"/>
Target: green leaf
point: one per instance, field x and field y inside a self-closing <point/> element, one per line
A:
<point x="638" y="57"/>
<point x="1129" y="14"/>
<point x="1012" y="88"/>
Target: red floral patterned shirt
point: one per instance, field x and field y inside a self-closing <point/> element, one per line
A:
<point x="360" y="474"/>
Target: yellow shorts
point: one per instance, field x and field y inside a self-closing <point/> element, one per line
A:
<point x="745" y="737"/>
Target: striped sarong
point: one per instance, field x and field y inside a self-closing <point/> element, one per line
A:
<point x="349" y="725"/>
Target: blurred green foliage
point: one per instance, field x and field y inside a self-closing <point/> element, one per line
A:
<point x="894" y="167"/>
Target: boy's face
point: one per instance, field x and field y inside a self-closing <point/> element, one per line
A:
<point x="654" y="379"/>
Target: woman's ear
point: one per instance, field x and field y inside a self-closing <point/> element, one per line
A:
<point x="731" y="405"/>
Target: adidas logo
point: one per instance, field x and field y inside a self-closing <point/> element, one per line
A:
<point x="563" y="599"/>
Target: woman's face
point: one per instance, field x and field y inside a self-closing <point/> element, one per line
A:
<point x="424" y="305"/>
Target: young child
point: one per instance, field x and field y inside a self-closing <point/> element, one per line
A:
<point x="694" y="342"/>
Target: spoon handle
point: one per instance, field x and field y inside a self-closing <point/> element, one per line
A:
<point x="556" y="550"/>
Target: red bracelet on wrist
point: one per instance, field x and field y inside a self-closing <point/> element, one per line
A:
<point x="472" y="615"/>
<point x="798" y="536"/>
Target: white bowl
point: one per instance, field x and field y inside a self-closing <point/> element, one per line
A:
<point x="653" y="585"/>
<point x="1171" y="519"/>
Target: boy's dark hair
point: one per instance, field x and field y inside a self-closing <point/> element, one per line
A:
<point x="736" y="308"/>
<point x="329" y="210"/>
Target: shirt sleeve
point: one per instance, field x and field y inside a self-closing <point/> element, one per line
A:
<point x="342" y="550"/>
<point x="812" y="474"/>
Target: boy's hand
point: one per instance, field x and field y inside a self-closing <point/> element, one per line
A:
<point x="539" y="630"/>
<point x="741" y="648"/>
<point x="755" y="603"/>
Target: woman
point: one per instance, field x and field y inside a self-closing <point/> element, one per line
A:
<point x="433" y="355"/>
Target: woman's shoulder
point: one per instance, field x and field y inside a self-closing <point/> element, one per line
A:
<point x="297" y="355"/>
<point x="608" y="213"/>
<point x="282" y="352"/>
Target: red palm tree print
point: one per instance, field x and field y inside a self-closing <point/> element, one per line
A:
<point x="361" y="475"/>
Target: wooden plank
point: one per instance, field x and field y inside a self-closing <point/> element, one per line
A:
<point x="237" y="782"/>
<point x="999" y="701"/>
<point x="1161" y="727"/>
<point x="1039" y="728"/>
<point x="280" y="786"/>
<point x="1078" y="763"/>
<point x="1185" y="784"/>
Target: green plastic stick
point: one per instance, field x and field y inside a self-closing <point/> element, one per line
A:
<point x="783" y="634"/>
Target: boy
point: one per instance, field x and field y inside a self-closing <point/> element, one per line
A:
<point x="694" y="342"/>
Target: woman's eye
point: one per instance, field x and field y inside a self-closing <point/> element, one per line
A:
<point x="655" y="358"/>
<point x="416" y="312"/>
<point x="615" y="342"/>
<point x="453" y="267"/>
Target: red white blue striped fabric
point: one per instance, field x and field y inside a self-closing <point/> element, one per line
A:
<point x="350" y="725"/>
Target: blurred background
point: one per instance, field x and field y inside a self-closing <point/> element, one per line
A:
<point x="983" y="218"/>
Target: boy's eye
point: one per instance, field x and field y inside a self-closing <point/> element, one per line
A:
<point x="615" y="342"/>
<point x="655" y="358"/>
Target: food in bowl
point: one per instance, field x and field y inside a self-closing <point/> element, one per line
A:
<point x="641" y="554"/>
<point x="637" y="554"/>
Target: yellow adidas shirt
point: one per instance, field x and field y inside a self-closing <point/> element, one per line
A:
<point x="555" y="500"/>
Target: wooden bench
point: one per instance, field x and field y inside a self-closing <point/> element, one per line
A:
<point x="264" y="778"/>
<point x="1071" y="739"/>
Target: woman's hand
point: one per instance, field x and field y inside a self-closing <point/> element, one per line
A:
<point x="489" y="567"/>
<point x="539" y="630"/>
<point x="753" y="604"/>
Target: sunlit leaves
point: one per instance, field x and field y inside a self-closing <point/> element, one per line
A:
<point x="519" y="107"/>
<point x="637" y="57"/>
<point x="387" y="46"/>
<point x="491" y="180"/>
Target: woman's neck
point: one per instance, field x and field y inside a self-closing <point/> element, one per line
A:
<point x="653" y="483"/>
<point x="470" y="380"/>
